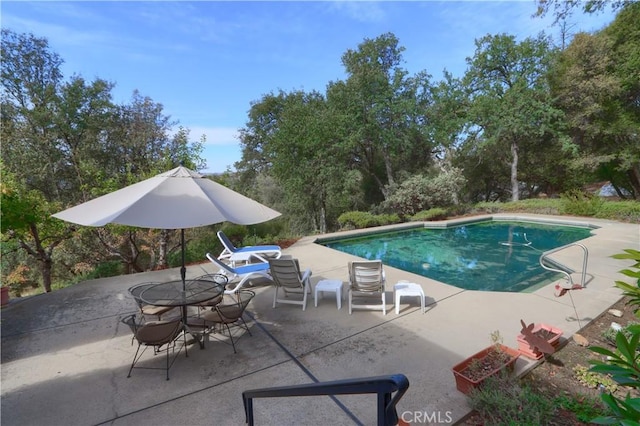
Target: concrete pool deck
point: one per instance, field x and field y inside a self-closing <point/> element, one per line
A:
<point x="65" y="355"/>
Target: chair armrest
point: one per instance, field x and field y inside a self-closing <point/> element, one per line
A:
<point x="306" y="275"/>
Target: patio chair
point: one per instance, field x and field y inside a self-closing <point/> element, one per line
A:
<point x="367" y="281"/>
<point x="286" y="275"/>
<point x="228" y="314"/>
<point x="243" y="273"/>
<point x="216" y="279"/>
<point x="162" y="337"/>
<point x="145" y="309"/>
<point x="245" y="254"/>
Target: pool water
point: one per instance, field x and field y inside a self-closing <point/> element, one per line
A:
<point x="489" y="256"/>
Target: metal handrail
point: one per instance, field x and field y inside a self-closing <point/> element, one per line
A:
<point x="585" y="259"/>
<point x="383" y="386"/>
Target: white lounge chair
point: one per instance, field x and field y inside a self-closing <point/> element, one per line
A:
<point x="288" y="277"/>
<point x="367" y="281"/>
<point x="244" y="273"/>
<point x="245" y="254"/>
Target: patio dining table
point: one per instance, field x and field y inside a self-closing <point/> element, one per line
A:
<point x="181" y="294"/>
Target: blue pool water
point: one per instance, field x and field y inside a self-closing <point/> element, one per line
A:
<point x="490" y="256"/>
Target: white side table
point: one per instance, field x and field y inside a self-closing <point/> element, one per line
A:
<point x="407" y="289"/>
<point x="334" y="286"/>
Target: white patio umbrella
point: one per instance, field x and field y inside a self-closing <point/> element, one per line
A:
<point x="177" y="199"/>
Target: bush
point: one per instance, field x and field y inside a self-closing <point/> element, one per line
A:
<point x="107" y="269"/>
<point x="503" y="400"/>
<point x="357" y="220"/>
<point x="624" y="211"/>
<point x="436" y="213"/>
<point x="388" y="219"/>
<point x="580" y="203"/>
<point x="422" y="193"/>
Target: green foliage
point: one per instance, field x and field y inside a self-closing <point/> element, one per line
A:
<point x="235" y="233"/>
<point x="436" y="213"/>
<point x="502" y="400"/>
<point x="585" y="408"/>
<point x="105" y="269"/>
<point x="610" y="333"/>
<point x="623" y="366"/>
<point x="633" y="292"/>
<point x="420" y="193"/>
<point x="357" y="220"/>
<point x="581" y="203"/>
<point x="594" y="380"/>
<point x="624" y="211"/>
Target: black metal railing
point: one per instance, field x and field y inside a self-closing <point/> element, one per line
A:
<point x="383" y="386"/>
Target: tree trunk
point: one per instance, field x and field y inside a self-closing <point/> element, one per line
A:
<point x="46" y="265"/>
<point x="515" y="188"/>
<point x="162" y="254"/>
<point x="634" y="177"/>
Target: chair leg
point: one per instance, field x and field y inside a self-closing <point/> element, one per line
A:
<point x="246" y="327"/>
<point x="275" y="297"/>
<point x="135" y="359"/>
<point x="231" y="338"/>
<point x="168" y="360"/>
<point x="384" y="304"/>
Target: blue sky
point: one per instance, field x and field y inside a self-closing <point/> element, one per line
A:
<point x="206" y="62"/>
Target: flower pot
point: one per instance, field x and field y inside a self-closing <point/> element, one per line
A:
<point x="467" y="380"/>
<point x="551" y="335"/>
<point x="4" y="292"/>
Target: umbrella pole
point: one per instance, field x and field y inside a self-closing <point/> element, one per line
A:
<point x="183" y="269"/>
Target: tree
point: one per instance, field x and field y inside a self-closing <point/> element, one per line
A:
<point x="382" y="104"/>
<point x="65" y="142"/>
<point x="510" y="101"/>
<point x="596" y="84"/>
<point x="562" y="9"/>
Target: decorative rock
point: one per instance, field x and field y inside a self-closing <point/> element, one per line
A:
<point x="616" y="312"/>
<point x="615" y="326"/>
<point x="580" y="340"/>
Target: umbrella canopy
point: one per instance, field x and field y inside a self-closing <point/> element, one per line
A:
<point x="177" y="199"/>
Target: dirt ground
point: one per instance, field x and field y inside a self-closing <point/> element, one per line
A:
<point x="555" y="375"/>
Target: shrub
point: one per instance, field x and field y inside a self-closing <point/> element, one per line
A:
<point x="435" y="213"/>
<point x="581" y="203"/>
<point x="503" y="400"/>
<point x="357" y="220"/>
<point x="388" y="219"/>
<point x="235" y="233"/>
<point x="419" y="192"/>
<point x="624" y="211"/>
<point x="107" y="269"/>
<point x="631" y="291"/>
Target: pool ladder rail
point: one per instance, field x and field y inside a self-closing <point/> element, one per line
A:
<point x="552" y="265"/>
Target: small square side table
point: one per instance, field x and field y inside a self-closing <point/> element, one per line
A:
<point x="333" y="286"/>
<point x="407" y="289"/>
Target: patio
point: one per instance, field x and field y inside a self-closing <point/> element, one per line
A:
<point x="65" y="355"/>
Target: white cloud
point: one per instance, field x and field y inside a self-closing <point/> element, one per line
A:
<point x="215" y="135"/>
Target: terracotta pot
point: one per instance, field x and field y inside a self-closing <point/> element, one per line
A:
<point x="465" y="384"/>
<point x="530" y="351"/>
<point x="4" y="292"/>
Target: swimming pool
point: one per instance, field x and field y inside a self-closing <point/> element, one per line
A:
<point x="489" y="256"/>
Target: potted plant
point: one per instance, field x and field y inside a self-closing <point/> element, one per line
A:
<point x="535" y="340"/>
<point x="474" y="370"/>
